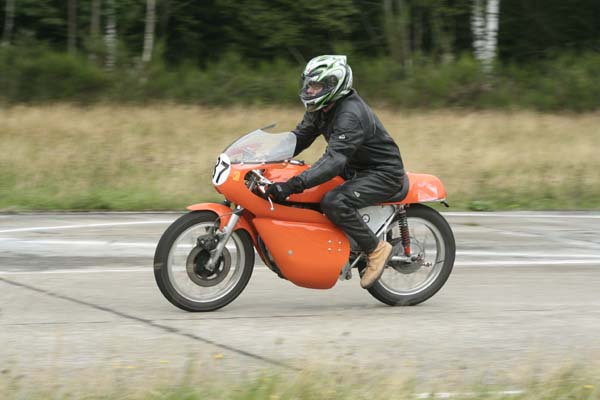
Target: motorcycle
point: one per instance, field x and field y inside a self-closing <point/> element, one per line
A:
<point x="205" y="258"/>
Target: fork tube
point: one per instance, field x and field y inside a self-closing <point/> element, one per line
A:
<point x="216" y="253"/>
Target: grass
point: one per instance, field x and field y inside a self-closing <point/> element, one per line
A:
<point x="108" y="157"/>
<point x="567" y="384"/>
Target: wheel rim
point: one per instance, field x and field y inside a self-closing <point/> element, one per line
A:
<point x="178" y="266"/>
<point x="425" y="239"/>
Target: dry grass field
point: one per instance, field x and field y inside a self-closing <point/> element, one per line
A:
<point x="161" y="157"/>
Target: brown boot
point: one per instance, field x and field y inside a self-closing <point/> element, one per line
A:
<point x="376" y="264"/>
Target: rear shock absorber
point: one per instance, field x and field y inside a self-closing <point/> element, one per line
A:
<point x="403" y="224"/>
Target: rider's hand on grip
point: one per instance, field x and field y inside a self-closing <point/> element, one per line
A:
<point x="280" y="191"/>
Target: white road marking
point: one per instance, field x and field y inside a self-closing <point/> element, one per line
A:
<point x="481" y="253"/>
<point x="77" y="242"/>
<point x="90" y="271"/>
<point x="450" y="214"/>
<point x="47" y="228"/>
<point x="517" y="234"/>
<point x="476" y="253"/>
<point x="525" y="263"/>
<point x="532" y="258"/>
<point x="77" y="271"/>
<point x="508" y="263"/>
<point x="500" y="214"/>
<point x="448" y="395"/>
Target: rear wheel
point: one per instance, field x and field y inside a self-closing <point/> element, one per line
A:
<point x="180" y="264"/>
<point x="432" y="241"/>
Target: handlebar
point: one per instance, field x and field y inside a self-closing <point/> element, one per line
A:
<point x="262" y="181"/>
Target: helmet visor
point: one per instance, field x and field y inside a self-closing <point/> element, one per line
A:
<point x="312" y="88"/>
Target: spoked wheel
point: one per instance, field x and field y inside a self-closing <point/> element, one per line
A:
<point x="432" y="242"/>
<point x="180" y="264"/>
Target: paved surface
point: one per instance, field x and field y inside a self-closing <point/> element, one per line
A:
<point x="78" y="301"/>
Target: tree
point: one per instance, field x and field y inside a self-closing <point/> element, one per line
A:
<point x="397" y="28"/>
<point x="110" y="37"/>
<point x="94" y="27"/>
<point x="484" y="25"/>
<point x="72" y="22"/>
<point x="266" y="29"/>
<point x="536" y="29"/>
<point x="446" y="18"/>
<point x="149" y="33"/>
<point x="9" y="20"/>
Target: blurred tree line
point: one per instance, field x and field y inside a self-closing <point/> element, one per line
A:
<point x="435" y="52"/>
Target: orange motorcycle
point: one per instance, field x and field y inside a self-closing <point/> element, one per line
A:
<point x="204" y="260"/>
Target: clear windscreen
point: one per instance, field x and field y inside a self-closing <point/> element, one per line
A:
<point x="260" y="146"/>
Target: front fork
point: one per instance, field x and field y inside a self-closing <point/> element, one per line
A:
<point x="224" y="236"/>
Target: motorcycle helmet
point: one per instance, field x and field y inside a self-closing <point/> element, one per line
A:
<point x="329" y="73"/>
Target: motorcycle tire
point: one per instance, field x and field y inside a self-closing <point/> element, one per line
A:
<point x="424" y="213"/>
<point x="165" y="276"/>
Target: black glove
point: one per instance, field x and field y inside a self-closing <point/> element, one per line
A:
<point x="279" y="191"/>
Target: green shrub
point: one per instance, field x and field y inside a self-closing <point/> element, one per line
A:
<point x="35" y="73"/>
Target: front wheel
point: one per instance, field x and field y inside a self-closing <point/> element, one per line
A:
<point x="432" y="241"/>
<point x="179" y="264"/>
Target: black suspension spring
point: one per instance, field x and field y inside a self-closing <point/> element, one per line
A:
<point x="403" y="224"/>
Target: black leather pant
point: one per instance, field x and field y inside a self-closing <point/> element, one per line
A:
<point x="340" y="205"/>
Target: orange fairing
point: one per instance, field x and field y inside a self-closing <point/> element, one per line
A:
<point x="308" y="254"/>
<point x="423" y="188"/>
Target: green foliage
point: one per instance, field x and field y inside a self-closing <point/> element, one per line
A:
<point x="223" y="82"/>
<point x="409" y="53"/>
<point x="564" y="82"/>
<point x="423" y="85"/>
<point x="265" y="29"/>
<point x="532" y="30"/>
<point x="198" y="32"/>
<point x="35" y="74"/>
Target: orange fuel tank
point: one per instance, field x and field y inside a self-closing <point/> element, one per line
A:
<point x="311" y="195"/>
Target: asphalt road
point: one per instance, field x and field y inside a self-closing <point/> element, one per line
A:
<point x="78" y="302"/>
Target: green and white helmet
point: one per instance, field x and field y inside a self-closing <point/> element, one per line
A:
<point x="329" y="73"/>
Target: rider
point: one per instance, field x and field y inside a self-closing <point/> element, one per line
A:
<point x="358" y="148"/>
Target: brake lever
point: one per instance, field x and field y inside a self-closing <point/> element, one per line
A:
<point x="264" y="191"/>
<point x="271" y="203"/>
<point x="262" y="183"/>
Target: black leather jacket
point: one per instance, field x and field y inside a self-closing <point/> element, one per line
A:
<point x="356" y="142"/>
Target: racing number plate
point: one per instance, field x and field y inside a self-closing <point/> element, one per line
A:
<point x="222" y="170"/>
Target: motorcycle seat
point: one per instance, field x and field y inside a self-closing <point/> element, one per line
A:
<point x="398" y="197"/>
